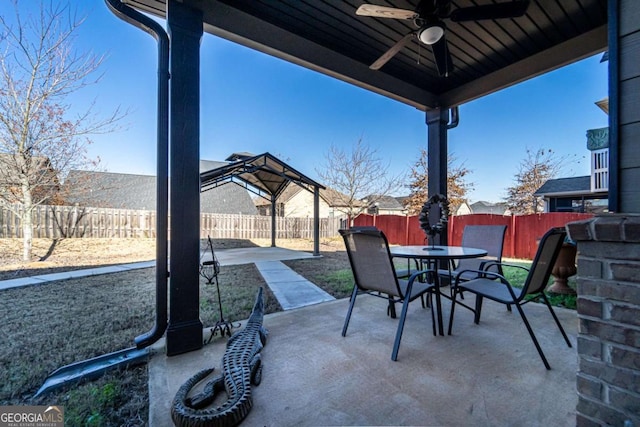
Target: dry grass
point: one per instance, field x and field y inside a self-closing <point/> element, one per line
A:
<point x="56" y="255"/>
<point x="57" y="323"/>
<point x="54" y="324"/>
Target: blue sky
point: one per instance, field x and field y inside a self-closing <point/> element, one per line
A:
<point x="253" y="102"/>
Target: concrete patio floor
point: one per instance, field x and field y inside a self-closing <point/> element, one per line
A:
<point x="483" y="375"/>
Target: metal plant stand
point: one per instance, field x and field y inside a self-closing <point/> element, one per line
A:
<point x="209" y="270"/>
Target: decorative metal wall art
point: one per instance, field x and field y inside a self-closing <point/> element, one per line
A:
<point x="431" y="230"/>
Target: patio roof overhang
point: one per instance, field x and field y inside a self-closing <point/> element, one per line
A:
<point x="327" y="36"/>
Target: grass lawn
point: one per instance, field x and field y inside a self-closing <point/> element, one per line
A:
<point x="54" y="324"/>
<point x="338" y="279"/>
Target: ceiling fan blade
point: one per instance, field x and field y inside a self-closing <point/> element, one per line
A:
<point x="442" y="7"/>
<point x="392" y="51"/>
<point x="512" y="9"/>
<point x="442" y="57"/>
<point x="385" y="12"/>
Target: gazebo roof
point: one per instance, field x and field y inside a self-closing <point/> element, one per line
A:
<point x="264" y="174"/>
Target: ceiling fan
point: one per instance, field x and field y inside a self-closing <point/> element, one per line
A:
<point x="428" y="18"/>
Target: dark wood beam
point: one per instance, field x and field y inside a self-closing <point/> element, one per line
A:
<point x="565" y="53"/>
<point x="437" y="122"/>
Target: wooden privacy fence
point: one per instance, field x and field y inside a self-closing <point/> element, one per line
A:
<point x="76" y="221"/>
<point x="232" y="226"/>
<point x="521" y="239"/>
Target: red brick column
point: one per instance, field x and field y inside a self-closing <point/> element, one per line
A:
<point x="608" y="379"/>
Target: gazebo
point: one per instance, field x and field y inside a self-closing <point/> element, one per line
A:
<point x="487" y="48"/>
<point x="266" y="176"/>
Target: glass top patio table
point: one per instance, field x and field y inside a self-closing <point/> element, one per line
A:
<point x="436" y="253"/>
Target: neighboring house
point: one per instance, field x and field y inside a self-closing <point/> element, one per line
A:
<point x="297" y="202"/>
<point x="573" y="194"/>
<point x="43" y="178"/>
<point x="385" y="205"/>
<point x="463" y="209"/>
<point x="583" y="193"/>
<point x="127" y="191"/>
<point x="483" y="207"/>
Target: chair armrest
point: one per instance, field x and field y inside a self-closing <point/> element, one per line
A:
<point x="404" y="273"/>
<point x="490" y="264"/>
<point x="483" y="274"/>
<point x="417" y="274"/>
<point x="491" y="276"/>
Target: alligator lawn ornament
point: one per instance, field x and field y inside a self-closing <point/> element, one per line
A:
<point x="241" y="367"/>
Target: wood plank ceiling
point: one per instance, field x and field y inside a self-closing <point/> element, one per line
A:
<point x="327" y="36"/>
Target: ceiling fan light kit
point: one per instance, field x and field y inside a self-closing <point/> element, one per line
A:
<point x="431" y="33"/>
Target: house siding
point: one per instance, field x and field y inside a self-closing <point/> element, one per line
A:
<point x="301" y="206"/>
<point x="629" y="89"/>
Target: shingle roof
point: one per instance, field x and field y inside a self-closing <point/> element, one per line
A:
<point x="387" y="202"/>
<point x="111" y="190"/>
<point x="576" y="185"/>
<point x="128" y="191"/>
<point x="337" y="199"/>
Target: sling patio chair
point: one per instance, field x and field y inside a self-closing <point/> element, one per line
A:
<point x="374" y="274"/>
<point x="487" y="237"/>
<point x="496" y="287"/>
<point x="401" y="273"/>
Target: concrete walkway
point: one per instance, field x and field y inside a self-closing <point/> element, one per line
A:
<point x="43" y="278"/>
<point x="290" y="289"/>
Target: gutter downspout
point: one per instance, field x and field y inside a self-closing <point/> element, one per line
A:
<point x="454" y="121"/>
<point x="455" y="118"/>
<point x="138" y="20"/>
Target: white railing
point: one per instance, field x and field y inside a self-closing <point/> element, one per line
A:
<point x="600" y="170"/>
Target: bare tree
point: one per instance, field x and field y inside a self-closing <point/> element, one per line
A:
<point x="457" y="184"/>
<point x="40" y="138"/>
<point x="535" y="169"/>
<point x="358" y="173"/>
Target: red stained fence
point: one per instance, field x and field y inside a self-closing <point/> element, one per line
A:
<point x="521" y="239"/>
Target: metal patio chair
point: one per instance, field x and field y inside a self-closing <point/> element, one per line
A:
<point x="374" y="274"/>
<point x="497" y="288"/>
<point x="402" y="273"/>
<point x="487" y="237"/>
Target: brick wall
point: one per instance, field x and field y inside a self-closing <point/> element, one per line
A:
<point x="608" y="379"/>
